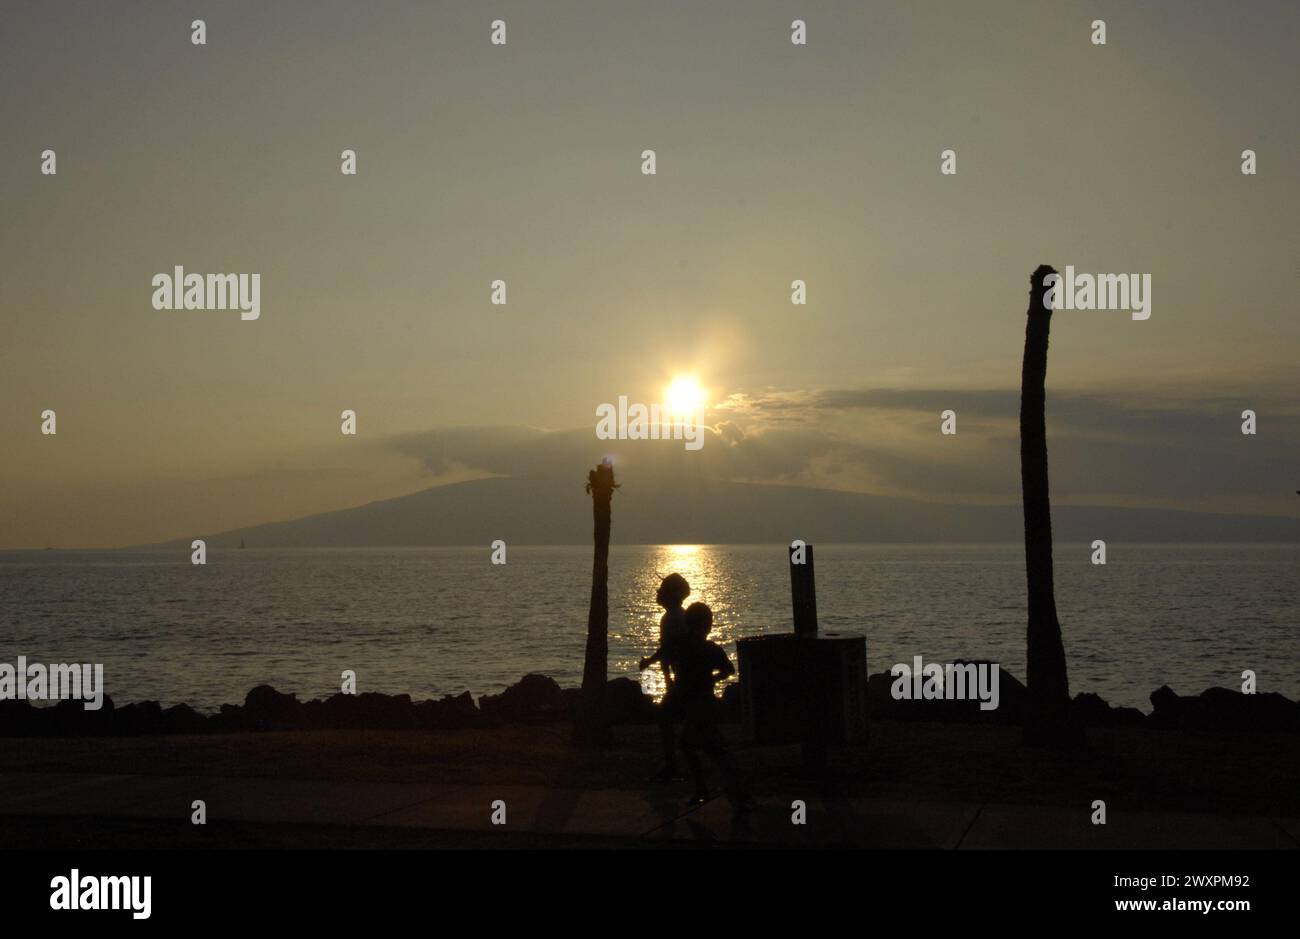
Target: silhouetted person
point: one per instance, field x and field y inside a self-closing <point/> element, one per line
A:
<point x="699" y="665"/>
<point x="673" y="590"/>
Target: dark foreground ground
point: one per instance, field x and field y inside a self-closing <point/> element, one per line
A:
<point x="915" y="784"/>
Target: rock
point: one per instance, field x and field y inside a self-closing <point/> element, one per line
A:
<point x="627" y="703"/>
<point x="533" y="698"/>
<point x="461" y="708"/>
<point x="229" y="718"/>
<point x="880" y="703"/>
<point x="183" y="719"/>
<point x="572" y="701"/>
<point x="143" y="717"/>
<point x="1013" y="696"/>
<point x="1091" y="710"/>
<point x="537" y="698"/>
<point x="268" y="709"/>
<point x="450" y="711"/>
<point x="311" y="715"/>
<point x="390" y="712"/>
<point x="1167" y="708"/>
<point x="1224" y="709"/>
<point x="65" y="718"/>
<point x="1128" y="717"/>
<point x="16" y="718"/>
<point x="1010" y="710"/>
<point x="368" y="710"/>
<point x="337" y="712"/>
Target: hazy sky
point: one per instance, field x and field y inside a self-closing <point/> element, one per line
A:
<point x="522" y="162"/>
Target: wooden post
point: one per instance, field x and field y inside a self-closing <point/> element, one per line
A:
<point x="803" y="591"/>
<point x="592" y="728"/>
<point x="1048" y="720"/>
<point x="803" y="597"/>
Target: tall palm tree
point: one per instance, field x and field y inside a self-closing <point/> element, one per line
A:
<point x="1047" y="716"/>
<point x="592" y="728"/>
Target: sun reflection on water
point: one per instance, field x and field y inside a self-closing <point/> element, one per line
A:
<point x="709" y="583"/>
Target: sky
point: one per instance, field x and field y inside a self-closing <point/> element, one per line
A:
<point x="522" y="162"/>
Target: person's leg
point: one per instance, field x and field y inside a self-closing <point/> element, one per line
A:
<point x="734" y="786"/>
<point x="697" y="774"/>
<point x="691" y="748"/>
<point x="667" y="735"/>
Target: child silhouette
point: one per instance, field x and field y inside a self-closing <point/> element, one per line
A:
<point x="698" y="665"/>
<point x="673" y="591"/>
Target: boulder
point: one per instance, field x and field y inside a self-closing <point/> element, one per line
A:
<point x="183" y="719"/>
<point x="368" y="710"/>
<point x="450" y="711"/>
<point x="1091" y="710"/>
<point x="229" y="718"/>
<point x="572" y="702"/>
<point x="1128" y="717"/>
<point x="1167" y="708"/>
<point x="533" y="698"/>
<point x="142" y="717"/>
<point x="268" y="709"/>
<point x="65" y="718"/>
<point x="337" y="712"/>
<point x="1224" y="709"/>
<point x="627" y="703"/>
<point x="16" y="718"/>
<point x="389" y="712"/>
<point x="1013" y="696"/>
<point x="1010" y="710"/>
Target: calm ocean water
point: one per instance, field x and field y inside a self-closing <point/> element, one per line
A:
<point x="433" y="621"/>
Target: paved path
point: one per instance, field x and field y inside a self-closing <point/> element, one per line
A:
<point x="652" y="816"/>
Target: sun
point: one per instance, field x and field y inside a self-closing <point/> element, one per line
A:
<point x="684" y="397"/>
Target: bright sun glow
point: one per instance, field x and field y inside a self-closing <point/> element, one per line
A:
<point x="684" y="397"/>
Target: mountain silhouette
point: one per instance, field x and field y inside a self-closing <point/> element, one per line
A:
<point x="553" y="510"/>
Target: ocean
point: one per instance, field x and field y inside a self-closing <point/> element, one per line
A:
<point x="435" y="621"/>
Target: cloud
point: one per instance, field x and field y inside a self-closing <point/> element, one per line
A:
<point x="1168" y="449"/>
<point x="449" y="450"/>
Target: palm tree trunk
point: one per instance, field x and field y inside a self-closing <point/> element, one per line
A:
<point x="592" y="728"/>
<point x="1047" y="716"/>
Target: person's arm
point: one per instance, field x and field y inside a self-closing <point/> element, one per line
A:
<point x="723" y="667"/>
<point x="658" y="654"/>
<point x="652" y="659"/>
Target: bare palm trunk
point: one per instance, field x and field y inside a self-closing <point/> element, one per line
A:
<point x="592" y="728"/>
<point x="1047" y="717"/>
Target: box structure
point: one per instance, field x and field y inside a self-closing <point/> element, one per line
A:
<point x="805" y="686"/>
<point x="804" y="689"/>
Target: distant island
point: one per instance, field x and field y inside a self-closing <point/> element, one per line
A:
<point x="549" y="510"/>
